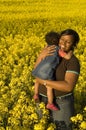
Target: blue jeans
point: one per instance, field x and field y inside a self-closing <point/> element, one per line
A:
<point x="66" y="109"/>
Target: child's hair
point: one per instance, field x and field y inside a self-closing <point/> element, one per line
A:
<point x="52" y="38"/>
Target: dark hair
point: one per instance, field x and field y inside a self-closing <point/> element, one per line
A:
<point x="73" y="33"/>
<point x="52" y="38"/>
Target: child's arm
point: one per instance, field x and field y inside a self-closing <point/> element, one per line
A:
<point x="65" y="55"/>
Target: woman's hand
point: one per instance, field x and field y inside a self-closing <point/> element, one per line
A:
<point x="47" y="51"/>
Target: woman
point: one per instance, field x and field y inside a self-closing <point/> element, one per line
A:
<point x="67" y="74"/>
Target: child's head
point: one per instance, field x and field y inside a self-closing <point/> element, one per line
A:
<point x="52" y="38"/>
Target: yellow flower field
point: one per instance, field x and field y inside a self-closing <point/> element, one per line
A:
<point x="23" y="24"/>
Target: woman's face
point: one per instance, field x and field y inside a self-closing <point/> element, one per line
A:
<point x="66" y="42"/>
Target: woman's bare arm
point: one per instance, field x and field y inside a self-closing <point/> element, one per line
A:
<point x="65" y="86"/>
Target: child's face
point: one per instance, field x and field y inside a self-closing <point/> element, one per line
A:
<point x="66" y="42"/>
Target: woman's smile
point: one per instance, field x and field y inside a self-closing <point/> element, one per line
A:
<point x="66" y="42"/>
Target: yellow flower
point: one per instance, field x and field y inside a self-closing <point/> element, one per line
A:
<point x="85" y="108"/>
<point x="39" y="127"/>
<point x="74" y="119"/>
<point x="83" y="125"/>
<point x="42" y="105"/>
<point x="2" y="128"/>
<point x="34" y="116"/>
<point x="51" y="127"/>
<point x="45" y="112"/>
<point x="79" y="117"/>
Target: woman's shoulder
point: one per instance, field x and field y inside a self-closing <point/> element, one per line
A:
<point x="73" y="64"/>
<point x="74" y="59"/>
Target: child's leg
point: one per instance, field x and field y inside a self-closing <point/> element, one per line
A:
<point x="50" y="95"/>
<point x="36" y="90"/>
<point x="50" y="104"/>
<point x="36" y="87"/>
